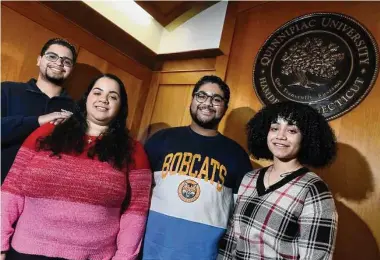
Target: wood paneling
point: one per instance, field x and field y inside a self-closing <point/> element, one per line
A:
<point x="19" y="52"/>
<point x="189" y="65"/>
<point x="209" y="53"/>
<point x="144" y="127"/>
<point x="172" y="106"/>
<point x="22" y="40"/>
<point x="184" y="78"/>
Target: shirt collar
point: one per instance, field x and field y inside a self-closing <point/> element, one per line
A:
<point x="32" y="86"/>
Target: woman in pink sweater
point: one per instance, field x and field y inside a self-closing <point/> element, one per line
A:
<point x="79" y="190"/>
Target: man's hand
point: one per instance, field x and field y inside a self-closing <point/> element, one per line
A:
<point x="54" y="118"/>
<point x="3" y="256"/>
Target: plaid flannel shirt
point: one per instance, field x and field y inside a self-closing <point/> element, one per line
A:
<point x="293" y="219"/>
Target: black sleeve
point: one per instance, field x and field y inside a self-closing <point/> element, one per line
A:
<point x="14" y="129"/>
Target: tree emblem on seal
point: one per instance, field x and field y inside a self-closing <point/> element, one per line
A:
<point x="313" y="57"/>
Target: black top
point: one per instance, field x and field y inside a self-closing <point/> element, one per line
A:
<point x="21" y="105"/>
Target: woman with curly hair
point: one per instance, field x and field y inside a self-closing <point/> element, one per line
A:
<point x="285" y="211"/>
<point x="79" y="190"/>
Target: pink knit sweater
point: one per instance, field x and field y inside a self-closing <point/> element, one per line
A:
<point x="70" y="207"/>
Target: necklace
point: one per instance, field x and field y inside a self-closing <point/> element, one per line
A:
<point x="90" y="139"/>
<point x="268" y="176"/>
<point x="282" y="175"/>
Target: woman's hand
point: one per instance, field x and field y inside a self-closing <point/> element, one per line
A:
<point x="3" y="256"/>
<point x="54" y="118"/>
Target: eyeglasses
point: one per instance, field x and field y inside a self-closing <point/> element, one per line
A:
<point x="216" y="100"/>
<point x="51" y="56"/>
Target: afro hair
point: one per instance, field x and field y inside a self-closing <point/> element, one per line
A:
<point x="318" y="144"/>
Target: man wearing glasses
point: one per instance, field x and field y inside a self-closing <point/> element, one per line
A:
<point x="197" y="172"/>
<point x="26" y="106"/>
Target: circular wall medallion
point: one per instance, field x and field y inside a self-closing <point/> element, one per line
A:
<point x="189" y="191"/>
<point x="327" y="60"/>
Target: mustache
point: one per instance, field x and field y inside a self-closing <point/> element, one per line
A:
<point x="57" y="67"/>
<point x="206" y="107"/>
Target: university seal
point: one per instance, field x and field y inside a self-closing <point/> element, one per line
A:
<point x="327" y="60"/>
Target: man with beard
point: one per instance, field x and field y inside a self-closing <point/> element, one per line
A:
<point x="26" y="106"/>
<point x="197" y="172"/>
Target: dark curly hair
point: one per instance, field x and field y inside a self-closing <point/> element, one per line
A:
<point x="318" y="144"/>
<point x="216" y="80"/>
<point x="61" y="42"/>
<point x="115" y="146"/>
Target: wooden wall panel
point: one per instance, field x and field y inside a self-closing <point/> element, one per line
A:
<point x="144" y="130"/>
<point x="171" y="106"/>
<point x="22" y="40"/>
<point x="189" y="65"/>
<point x="21" y="44"/>
<point x="184" y="78"/>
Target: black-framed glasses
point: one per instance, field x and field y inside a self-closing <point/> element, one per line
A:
<point x="51" y="56"/>
<point x="216" y="100"/>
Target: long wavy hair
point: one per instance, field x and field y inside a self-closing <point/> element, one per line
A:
<point x="115" y="146"/>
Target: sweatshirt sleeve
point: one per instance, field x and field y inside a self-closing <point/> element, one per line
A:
<point x="14" y="128"/>
<point x="133" y="220"/>
<point x="12" y="190"/>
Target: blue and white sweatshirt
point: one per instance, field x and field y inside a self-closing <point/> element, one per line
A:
<point x="195" y="179"/>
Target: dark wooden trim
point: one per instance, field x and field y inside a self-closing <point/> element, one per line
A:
<point x="178" y="12"/>
<point x="90" y="20"/>
<point x="164" y="19"/>
<point x="147" y="112"/>
<point x="228" y="31"/>
<point x="228" y="27"/>
<point x="207" y="53"/>
<point x="247" y="6"/>
<point x="181" y="71"/>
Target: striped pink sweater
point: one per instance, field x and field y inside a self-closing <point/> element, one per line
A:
<point x="70" y="207"/>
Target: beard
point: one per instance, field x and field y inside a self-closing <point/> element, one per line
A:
<point x="206" y="124"/>
<point x="55" y="79"/>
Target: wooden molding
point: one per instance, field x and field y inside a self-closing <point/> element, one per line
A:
<point x="148" y="108"/>
<point x="228" y="28"/>
<point x="196" y="8"/>
<point x="209" y="53"/>
<point x="164" y="18"/>
<point x="184" y="78"/>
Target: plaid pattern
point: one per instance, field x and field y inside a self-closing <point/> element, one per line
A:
<point x="293" y="219"/>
